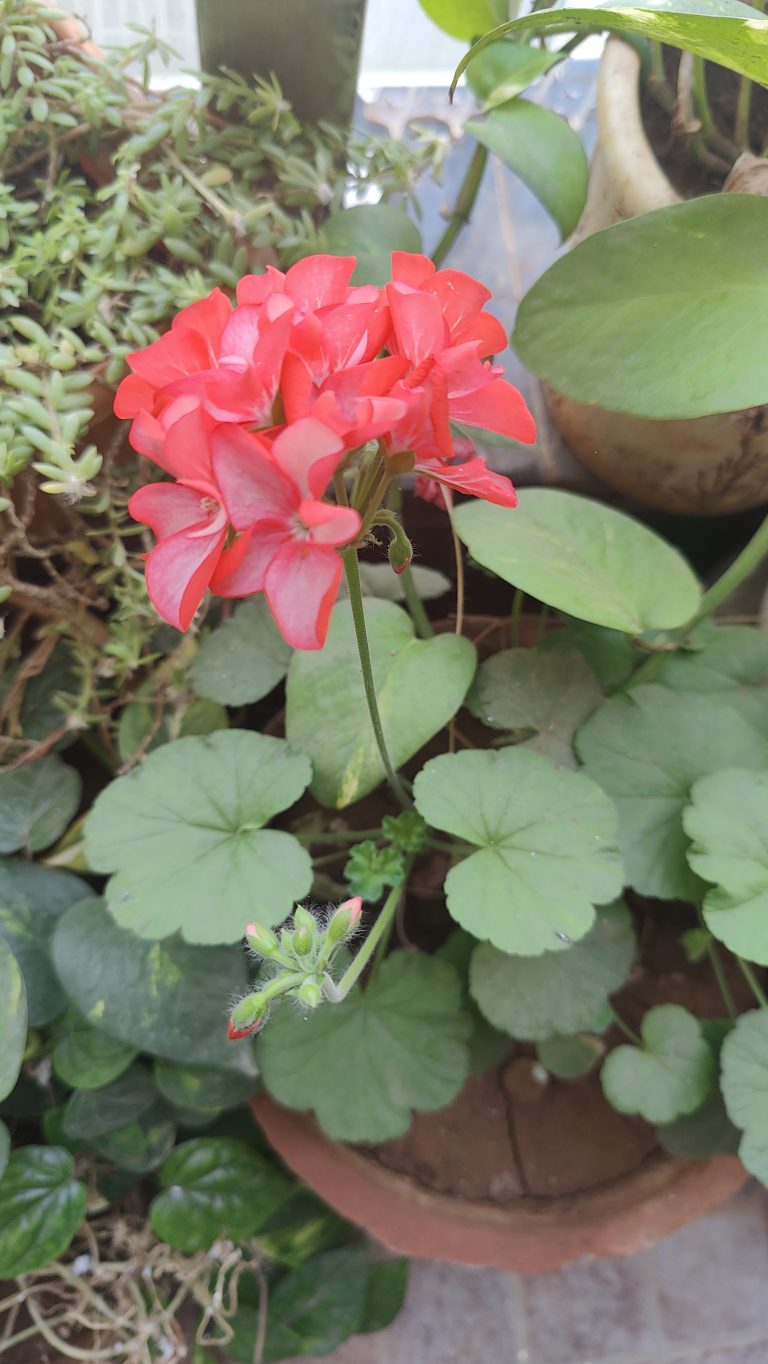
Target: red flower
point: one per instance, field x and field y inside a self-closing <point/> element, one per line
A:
<point x="191" y="345"/>
<point x="275" y="494"/>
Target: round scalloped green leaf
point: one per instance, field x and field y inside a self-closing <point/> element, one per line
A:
<point x="32" y="898"/>
<point x="13" y="1019"/>
<point x="548" y="692"/>
<point x="557" y="992"/>
<point x="243" y="659"/>
<point x="731" y="666"/>
<point x="609" y="653"/>
<point x="86" y="1058"/>
<point x="366" y="1064"/>
<point x="727" y="822"/>
<point x="646" y="749"/>
<point x="546" y="847"/>
<point x="744" y="1082"/>
<point x="669" y="1076"/>
<point x="167" y="998"/>
<point x="37" y="801"/>
<point x="213" y="1187"/>
<point x="626" y="319"/>
<point x="184" y="835"/>
<point x="420" y="685"/>
<point x="588" y="560"/>
<point x="41" y="1208"/>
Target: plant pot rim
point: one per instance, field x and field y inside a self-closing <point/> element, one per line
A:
<point x="529" y="1235"/>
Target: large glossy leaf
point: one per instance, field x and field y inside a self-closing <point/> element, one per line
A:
<point x="546" y="849"/>
<point x="32" y="898"/>
<point x="420" y="684"/>
<point x="243" y="659"/>
<point x="627" y="318"/>
<point x="727" y="822"/>
<point x="543" y="693"/>
<point x="13" y="1019"/>
<point x="744" y="1083"/>
<point x="366" y="1064"/>
<point x="729" y="664"/>
<point x="543" y="150"/>
<point x="465" y="18"/>
<point x="87" y="1058"/>
<point x="371" y="232"/>
<point x="558" y="992"/>
<point x="503" y="69"/>
<point x="92" y="1112"/>
<point x="184" y="834"/>
<point x="588" y="560"/>
<point x="646" y="749"/>
<point x="140" y="1145"/>
<point x="724" y="31"/>
<point x="41" y="1207"/>
<point x="312" y="1310"/>
<point x="202" y="1088"/>
<point x="166" y="998"/>
<point x="37" y="802"/>
<point x="215" y="1186"/>
<point x="670" y="1075"/>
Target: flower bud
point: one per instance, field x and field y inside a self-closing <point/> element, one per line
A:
<point x="304" y="929"/>
<point x="262" y="940"/>
<point x="345" y="919"/>
<point x="247" y="1016"/>
<point x="310" y="994"/>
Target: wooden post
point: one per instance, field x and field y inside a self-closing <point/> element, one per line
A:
<point x="312" y="46"/>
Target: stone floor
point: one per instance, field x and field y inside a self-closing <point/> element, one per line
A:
<point x="700" y="1297"/>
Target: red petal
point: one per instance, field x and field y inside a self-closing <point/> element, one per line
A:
<point x="252" y="487"/>
<point x="417" y="323"/>
<point x="132" y="395"/>
<point x="167" y="508"/>
<point x="408" y="267"/>
<point x="329" y="525"/>
<point x="474" y="478"/>
<point x="317" y="281"/>
<point x="484" y="331"/>
<point x="308" y="452"/>
<point x="496" y="407"/>
<point x="179" y="570"/>
<point x="300" y="587"/>
<point x="242" y="566"/>
<point x="257" y="288"/>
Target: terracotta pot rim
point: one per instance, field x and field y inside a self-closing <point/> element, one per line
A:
<point x="624" y="1215"/>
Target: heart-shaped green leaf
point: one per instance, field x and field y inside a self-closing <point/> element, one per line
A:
<point x="504" y="69"/>
<point x="41" y="1207"/>
<point x="626" y="318"/>
<point x="724" y="31"/>
<point x="371" y="232"/>
<point x="546" y="847"/>
<point x="37" y="801"/>
<point x="420" y="685"/>
<point x="583" y="558"/>
<point x="165" y="998"/>
<point x="646" y="749"/>
<point x="202" y="1088"/>
<point x="243" y="659"/>
<point x="92" y="1112"/>
<point x="184" y="834"/>
<point x="140" y="1145"/>
<point x="86" y="1058"/>
<point x="465" y="18"/>
<point x="727" y="822"/>
<point x="669" y="1076"/>
<point x="32" y="898"/>
<point x="568" y="1058"/>
<point x="13" y="1019"/>
<point x="312" y="1310"/>
<point x="744" y="1083"/>
<point x="730" y="665"/>
<point x="366" y="1064"/>
<point x="215" y="1186"/>
<point x="543" y="150"/>
<point x="709" y="1131"/>
<point x="557" y="992"/>
<point x="549" y="692"/>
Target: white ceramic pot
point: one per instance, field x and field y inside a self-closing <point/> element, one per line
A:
<point x="705" y="466"/>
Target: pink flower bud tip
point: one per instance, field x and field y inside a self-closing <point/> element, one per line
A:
<point x="354" y="908"/>
<point x="234" y="1034"/>
<point x="249" y="929"/>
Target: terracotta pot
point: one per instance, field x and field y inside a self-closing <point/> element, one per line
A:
<point x="529" y="1235"/>
<point x="705" y="466"/>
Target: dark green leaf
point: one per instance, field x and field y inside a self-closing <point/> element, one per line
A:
<point x="626" y="319"/>
<point x="545" y="857"/>
<point x="37" y="802"/>
<point x="609" y="653"/>
<point x="202" y="1087"/>
<point x="5" y="1147"/>
<point x="709" y="1131"/>
<point x="591" y="561"/>
<point x="203" y="717"/>
<point x="184" y="834"/>
<point x="487" y="1047"/>
<point x="420" y="685"/>
<point x="670" y="1076"/>
<point x="365" y="1064"/>
<point x="318" y="1306"/>
<point x="165" y="998"/>
<point x="86" y="1058"/>
<point x="215" y="1187"/>
<point x="13" y="1019"/>
<point x="139" y="1146"/>
<point x="646" y="749"/>
<point x="41" y="1207"/>
<point x="371" y="232"/>
<point x="568" y="1058"/>
<point x="92" y="1112"/>
<point x="744" y="1084"/>
<point x="548" y="692"/>
<point x="32" y="898"/>
<point x="243" y="659"/>
<point x="543" y="150"/>
<point x="385" y="1293"/>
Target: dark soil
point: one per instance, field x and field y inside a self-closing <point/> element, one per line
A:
<point x="672" y="148"/>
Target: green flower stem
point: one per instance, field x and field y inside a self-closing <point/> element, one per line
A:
<point x="743" y="110"/>
<point x="352" y="570"/>
<point x="416" y="606"/>
<point x="465" y="202"/>
<point x="625" y="1028"/>
<point x="709" y="128"/>
<point x="752" y="554"/>
<point x="517" y="611"/>
<point x="381" y="926"/>
<point x="753" y="983"/>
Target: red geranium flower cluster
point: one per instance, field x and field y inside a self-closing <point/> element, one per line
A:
<point x="252" y="408"/>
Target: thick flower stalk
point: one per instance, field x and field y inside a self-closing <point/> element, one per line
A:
<point x="255" y="410"/>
